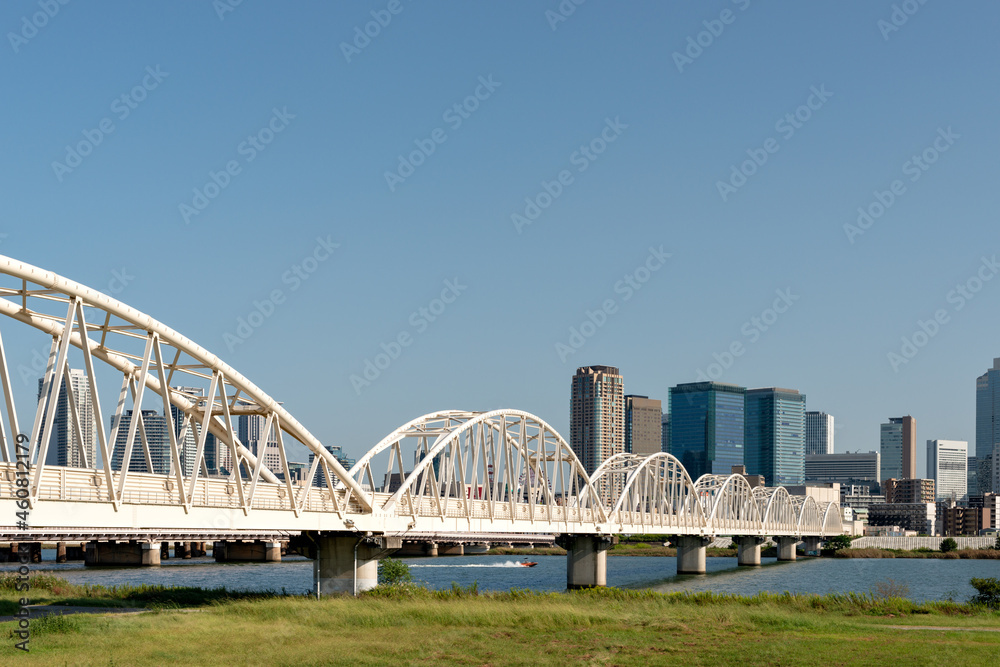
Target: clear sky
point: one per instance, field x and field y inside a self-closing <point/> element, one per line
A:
<point x="586" y="146"/>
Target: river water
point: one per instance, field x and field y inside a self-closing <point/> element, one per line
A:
<point x="925" y="579"/>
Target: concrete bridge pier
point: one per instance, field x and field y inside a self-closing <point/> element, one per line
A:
<point x="349" y="563"/>
<point x="73" y="552"/>
<point x="586" y="559"/>
<point x="691" y="553"/>
<point x="811" y="545"/>
<point x="451" y="549"/>
<point x="122" y="553"/>
<point x="786" y="547"/>
<point x="748" y="549"/>
<point x="32" y="551"/>
<point x="181" y="550"/>
<point x="255" y="552"/>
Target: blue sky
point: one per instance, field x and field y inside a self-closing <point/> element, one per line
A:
<point x="337" y="118"/>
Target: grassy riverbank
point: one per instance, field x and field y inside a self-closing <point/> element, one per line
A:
<point x="408" y="625"/>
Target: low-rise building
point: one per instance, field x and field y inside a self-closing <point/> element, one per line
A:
<point x="821" y="492"/>
<point x="919" y="517"/>
<point x="909" y="491"/>
<point x="956" y="520"/>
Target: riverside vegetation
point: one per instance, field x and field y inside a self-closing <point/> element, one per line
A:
<point x="400" y="622"/>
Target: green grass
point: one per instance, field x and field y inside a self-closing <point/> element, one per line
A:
<point x="407" y="625"/>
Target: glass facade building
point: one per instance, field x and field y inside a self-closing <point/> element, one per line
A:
<point x="775" y="435"/>
<point x="707" y="427"/>
<point x="898" y="445"/>
<point x="987" y="429"/>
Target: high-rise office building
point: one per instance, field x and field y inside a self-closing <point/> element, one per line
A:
<point x="643" y="425"/>
<point x="819" y="433"/>
<point x="157" y="438"/>
<point x="775" y="435"/>
<point x="64" y="447"/>
<point x="597" y="419"/>
<point x="947" y="462"/>
<point x="250" y="431"/>
<point x="706" y="427"/>
<point x="665" y="433"/>
<point x="898" y="446"/>
<point x="187" y="435"/>
<point x="346" y="461"/>
<point x="988" y="428"/>
<point x="849" y="469"/>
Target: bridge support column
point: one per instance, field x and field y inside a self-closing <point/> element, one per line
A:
<point x="181" y="550"/>
<point x="122" y="553"/>
<point x="586" y="559"/>
<point x="691" y="554"/>
<point x="786" y="547"/>
<point x="451" y="549"/>
<point x="811" y="545"/>
<point x="257" y="552"/>
<point x="60" y="552"/>
<point x="164" y="551"/>
<point x="749" y="549"/>
<point x="349" y="563"/>
<point x="76" y="552"/>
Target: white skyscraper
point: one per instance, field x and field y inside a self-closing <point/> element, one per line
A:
<point x="187" y="438"/>
<point x="64" y="447"/>
<point x="947" y="465"/>
<point x="819" y="433"/>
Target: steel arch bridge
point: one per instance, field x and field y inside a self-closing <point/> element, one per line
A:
<point x="454" y="471"/>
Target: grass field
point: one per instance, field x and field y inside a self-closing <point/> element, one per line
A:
<point x="409" y="626"/>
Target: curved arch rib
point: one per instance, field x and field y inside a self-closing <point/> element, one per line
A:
<point x="112" y="307"/>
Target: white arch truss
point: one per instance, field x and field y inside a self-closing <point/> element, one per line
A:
<point x="106" y="330"/>
<point x="505" y="465"/>
<point x="656" y="492"/>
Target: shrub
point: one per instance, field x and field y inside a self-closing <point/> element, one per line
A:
<point x="890" y="588"/>
<point x="392" y="572"/>
<point x="948" y="544"/>
<point x="989" y="592"/>
<point x="838" y="542"/>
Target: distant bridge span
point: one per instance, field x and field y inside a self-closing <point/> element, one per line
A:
<point x="453" y="471"/>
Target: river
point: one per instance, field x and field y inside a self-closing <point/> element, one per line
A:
<point x="926" y="579"/>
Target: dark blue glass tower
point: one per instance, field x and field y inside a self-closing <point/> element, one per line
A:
<point x="706" y="427"/>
